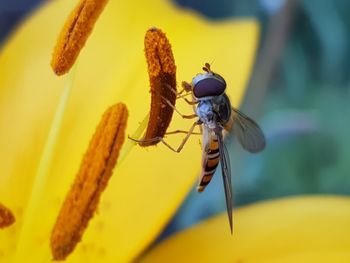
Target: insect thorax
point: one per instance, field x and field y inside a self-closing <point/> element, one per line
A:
<point x="214" y="111"/>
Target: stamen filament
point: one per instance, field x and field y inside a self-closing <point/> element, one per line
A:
<point x="40" y="179"/>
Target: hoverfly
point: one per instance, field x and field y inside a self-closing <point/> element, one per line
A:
<point x="215" y="115"/>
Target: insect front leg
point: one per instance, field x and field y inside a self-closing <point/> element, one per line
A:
<point x="188" y="101"/>
<point x="186" y="88"/>
<point x="182" y="115"/>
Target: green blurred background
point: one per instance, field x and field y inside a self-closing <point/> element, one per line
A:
<point x="298" y="92"/>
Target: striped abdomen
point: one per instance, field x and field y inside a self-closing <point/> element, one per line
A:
<point x="210" y="161"/>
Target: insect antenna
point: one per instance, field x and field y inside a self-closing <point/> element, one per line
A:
<point x="205" y="69"/>
<point x="207" y="65"/>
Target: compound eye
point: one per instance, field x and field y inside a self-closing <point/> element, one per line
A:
<point x="217" y="76"/>
<point x="210" y="86"/>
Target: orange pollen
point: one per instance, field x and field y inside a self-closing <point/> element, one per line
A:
<point x="95" y="171"/>
<point x="74" y="34"/>
<point x="6" y="217"/>
<point x="162" y="76"/>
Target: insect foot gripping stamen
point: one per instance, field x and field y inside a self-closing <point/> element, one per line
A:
<point x="162" y="77"/>
<point x="96" y="168"/>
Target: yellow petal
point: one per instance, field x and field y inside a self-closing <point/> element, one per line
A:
<point x="149" y="185"/>
<point x="299" y="229"/>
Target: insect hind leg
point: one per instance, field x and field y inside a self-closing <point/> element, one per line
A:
<point x="161" y="139"/>
<point x="155" y="139"/>
<point x="181" y="131"/>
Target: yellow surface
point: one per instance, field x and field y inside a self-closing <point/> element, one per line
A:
<point x="300" y="229"/>
<point x="150" y="184"/>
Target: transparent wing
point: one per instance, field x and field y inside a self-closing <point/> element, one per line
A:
<point x="248" y="132"/>
<point x="226" y="176"/>
<point x="227" y="163"/>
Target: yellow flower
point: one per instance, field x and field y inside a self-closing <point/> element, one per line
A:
<point x="298" y="229"/>
<point x="45" y="128"/>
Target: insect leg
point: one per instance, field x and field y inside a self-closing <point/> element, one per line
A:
<point x="160" y="139"/>
<point x="182" y="96"/>
<point x="189" y="133"/>
<point x="182" y="115"/>
<point x="188" y="101"/>
<point x="178" y="94"/>
<point x="181" y="131"/>
<point x="186" y="86"/>
<point x="155" y="139"/>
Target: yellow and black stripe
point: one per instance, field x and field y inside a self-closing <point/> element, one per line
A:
<point x="210" y="163"/>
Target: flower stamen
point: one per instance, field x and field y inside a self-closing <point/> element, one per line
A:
<point x="95" y="171"/>
<point x="162" y="76"/>
<point x="74" y="34"/>
<point x="6" y="216"/>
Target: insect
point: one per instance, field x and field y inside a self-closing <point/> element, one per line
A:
<point x="215" y="116"/>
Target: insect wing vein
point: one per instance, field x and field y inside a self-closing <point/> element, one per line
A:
<point x="226" y="176"/>
<point x="248" y="132"/>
